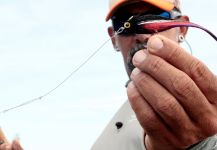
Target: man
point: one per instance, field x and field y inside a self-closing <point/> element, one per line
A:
<point x="172" y="95"/>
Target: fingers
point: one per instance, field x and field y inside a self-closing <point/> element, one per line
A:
<point x="174" y="91"/>
<point x="164" y="104"/>
<point x="16" y="145"/>
<point x="155" y="125"/>
<point x="175" y="81"/>
<point x="146" y="115"/>
<point x="195" y="69"/>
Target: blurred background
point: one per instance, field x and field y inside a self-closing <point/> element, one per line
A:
<point x="43" y="41"/>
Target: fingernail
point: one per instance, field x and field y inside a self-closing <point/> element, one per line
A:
<point x="155" y="44"/>
<point x="139" y="57"/>
<point x="135" y="71"/>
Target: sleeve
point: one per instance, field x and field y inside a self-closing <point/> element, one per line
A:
<point x="207" y="144"/>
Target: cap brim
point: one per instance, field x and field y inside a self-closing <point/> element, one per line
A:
<point x="162" y="4"/>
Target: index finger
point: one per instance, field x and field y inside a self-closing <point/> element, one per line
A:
<point x="178" y="57"/>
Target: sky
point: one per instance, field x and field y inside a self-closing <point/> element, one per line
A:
<point x="43" y="41"/>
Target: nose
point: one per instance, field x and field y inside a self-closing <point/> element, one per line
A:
<point x="142" y="38"/>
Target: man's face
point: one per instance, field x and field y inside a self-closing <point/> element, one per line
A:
<point x="130" y="44"/>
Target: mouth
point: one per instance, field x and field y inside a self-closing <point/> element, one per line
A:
<point x="132" y="52"/>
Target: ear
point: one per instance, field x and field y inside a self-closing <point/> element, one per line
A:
<point x="111" y="33"/>
<point x="184" y="30"/>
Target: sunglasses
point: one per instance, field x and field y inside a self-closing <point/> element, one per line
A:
<point x="150" y="24"/>
<point x="133" y="26"/>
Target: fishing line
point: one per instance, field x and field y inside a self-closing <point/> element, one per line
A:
<point x="189" y="46"/>
<point x="58" y="85"/>
<point x="121" y="29"/>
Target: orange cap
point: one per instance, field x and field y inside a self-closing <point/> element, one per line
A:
<point x="166" y="5"/>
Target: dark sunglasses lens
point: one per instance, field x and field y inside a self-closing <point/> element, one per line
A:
<point x="118" y="22"/>
<point x="126" y="32"/>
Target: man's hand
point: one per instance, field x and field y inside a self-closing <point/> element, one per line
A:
<point x="15" y="145"/>
<point x="174" y="96"/>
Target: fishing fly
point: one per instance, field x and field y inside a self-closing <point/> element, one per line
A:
<point x="150" y="24"/>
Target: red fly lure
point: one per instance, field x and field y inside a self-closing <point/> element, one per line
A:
<point x="159" y="26"/>
<point x="150" y="24"/>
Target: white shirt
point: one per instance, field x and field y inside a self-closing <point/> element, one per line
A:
<point x="130" y="135"/>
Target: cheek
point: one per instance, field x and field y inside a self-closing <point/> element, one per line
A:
<point x="171" y="34"/>
<point x="125" y="44"/>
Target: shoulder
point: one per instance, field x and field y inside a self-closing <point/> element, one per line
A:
<point x="122" y="133"/>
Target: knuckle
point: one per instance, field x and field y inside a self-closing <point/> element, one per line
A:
<point x="182" y="85"/>
<point x="149" y="122"/>
<point x="167" y="105"/>
<point x="209" y="125"/>
<point x="212" y="84"/>
<point x="134" y="99"/>
<point x="146" y="118"/>
<point x="156" y="64"/>
<point x="198" y="70"/>
<point x="142" y="80"/>
<point x="175" y="53"/>
<point x="132" y="94"/>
